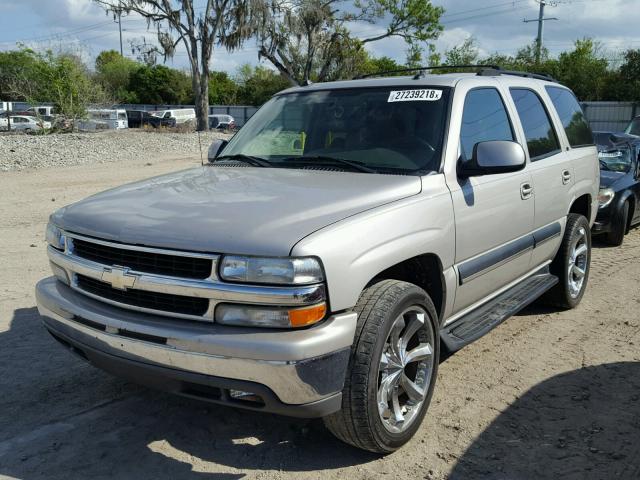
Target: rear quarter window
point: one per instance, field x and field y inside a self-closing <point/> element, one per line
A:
<point x="572" y="117"/>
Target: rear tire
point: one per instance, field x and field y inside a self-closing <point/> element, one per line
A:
<point x="378" y="414"/>
<point x="619" y="226"/>
<point x="571" y="264"/>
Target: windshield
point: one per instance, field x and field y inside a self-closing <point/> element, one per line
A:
<point x="615" y="160"/>
<point x="386" y="130"/>
<point x="634" y="127"/>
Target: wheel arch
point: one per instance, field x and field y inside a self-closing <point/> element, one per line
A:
<point x="423" y="270"/>
<point x="582" y="206"/>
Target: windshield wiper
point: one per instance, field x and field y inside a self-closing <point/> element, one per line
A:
<point x="358" y="166"/>
<point x="250" y="159"/>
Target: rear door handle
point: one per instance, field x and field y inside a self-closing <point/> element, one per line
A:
<point x="526" y="190"/>
<point x="566" y="177"/>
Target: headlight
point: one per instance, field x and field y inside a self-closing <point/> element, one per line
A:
<point x="54" y="236"/>
<point x="605" y="197"/>
<point x="286" y="271"/>
<point x="254" y="316"/>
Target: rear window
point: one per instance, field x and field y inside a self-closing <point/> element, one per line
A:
<point x="573" y="120"/>
<point x="538" y="130"/>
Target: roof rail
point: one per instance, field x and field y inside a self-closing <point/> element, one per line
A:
<point x="421" y="70"/>
<point x="493" y="71"/>
<point x="484" y="70"/>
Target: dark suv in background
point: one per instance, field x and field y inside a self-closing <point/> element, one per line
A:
<point x="141" y="118"/>
<point x="619" y="195"/>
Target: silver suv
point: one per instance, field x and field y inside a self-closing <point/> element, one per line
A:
<point x="324" y="257"/>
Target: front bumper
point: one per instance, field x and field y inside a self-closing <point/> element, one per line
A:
<point x="293" y="372"/>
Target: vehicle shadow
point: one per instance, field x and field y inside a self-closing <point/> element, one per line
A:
<point x="584" y="424"/>
<point x="62" y="418"/>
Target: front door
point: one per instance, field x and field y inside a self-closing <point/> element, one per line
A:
<point x="493" y="213"/>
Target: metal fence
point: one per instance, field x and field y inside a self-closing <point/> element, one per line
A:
<point x="240" y="113"/>
<point x="610" y="116"/>
<point x="603" y="116"/>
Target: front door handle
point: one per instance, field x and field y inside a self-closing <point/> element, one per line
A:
<point x="566" y="177"/>
<point x="526" y="190"/>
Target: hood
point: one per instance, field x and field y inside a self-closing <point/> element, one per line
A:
<point x="608" y="178"/>
<point x="244" y="210"/>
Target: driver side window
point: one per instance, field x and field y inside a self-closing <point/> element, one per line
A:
<point x="484" y="118"/>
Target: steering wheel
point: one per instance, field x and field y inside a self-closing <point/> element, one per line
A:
<point x="421" y="141"/>
<point x="604" y="165"/>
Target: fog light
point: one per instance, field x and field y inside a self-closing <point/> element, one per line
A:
<point x="251" y="316"/>
<point x="245" y="396"/>
<point x="60" y="273"/>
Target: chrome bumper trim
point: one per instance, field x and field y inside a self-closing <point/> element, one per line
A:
<point x="275" y="359"/>
<point x="210" y="288"/>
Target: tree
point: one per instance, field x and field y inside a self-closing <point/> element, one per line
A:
<point x="308" y="39"/>
<point x="224" y="23"/>
<point x="583" y="70"/>
<point x="222" y="89"/>
<point x="160" y="85"/>
<point x="258" y="84"/>
<point x="113" y="72"/>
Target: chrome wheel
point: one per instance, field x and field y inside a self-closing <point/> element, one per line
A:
<point x="405" y="369"/>
<point x="578" y="263"/>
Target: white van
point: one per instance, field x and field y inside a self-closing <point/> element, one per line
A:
<point x="113" y="118"/>
<point x="182" y="115"/>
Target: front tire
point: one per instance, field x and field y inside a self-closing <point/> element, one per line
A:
<point x="619" y="226"/>
<point x="572" y="263"/>
<point x="392" y="368"/>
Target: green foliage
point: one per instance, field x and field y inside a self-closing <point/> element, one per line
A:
<point x="257" y="84"/>
<point x="159" y="84"/>
<point x="114" y="72"/>
<point x="222" y="89"/>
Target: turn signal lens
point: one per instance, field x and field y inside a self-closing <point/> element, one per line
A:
<point x="307" y="316"/>
<point x="250" y="316"/>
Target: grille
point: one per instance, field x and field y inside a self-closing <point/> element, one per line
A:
<point x="148" y="262"/>
<point x="139" y="298"/>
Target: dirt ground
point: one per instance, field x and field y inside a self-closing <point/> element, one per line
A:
<point x="545" y="395"/>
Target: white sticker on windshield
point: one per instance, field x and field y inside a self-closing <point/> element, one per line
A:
<point x="423" y="94"/>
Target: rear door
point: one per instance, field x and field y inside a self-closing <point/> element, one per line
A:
<point x="493" y="213"/>
<point x="551" y="170"/>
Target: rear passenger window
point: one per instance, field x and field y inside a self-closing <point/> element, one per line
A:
<point x="484" y="119"/>
<point x="542" y="140"/>
<point x="573" y="120"/>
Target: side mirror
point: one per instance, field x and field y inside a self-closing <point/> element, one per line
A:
<point x="216" y="147"/>
<point x="496" y="156"/>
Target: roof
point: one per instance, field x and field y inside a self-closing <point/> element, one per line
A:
<point x="443" y="80"/>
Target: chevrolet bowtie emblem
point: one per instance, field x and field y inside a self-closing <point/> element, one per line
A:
<point x="119" y="277"/>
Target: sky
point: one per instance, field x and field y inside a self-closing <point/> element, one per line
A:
<point x="83" y="27"/>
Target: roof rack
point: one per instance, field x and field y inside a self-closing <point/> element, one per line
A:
<point x="421" y="70"/>
<point x="493" y="71"/>
<point x="484" y="71"/>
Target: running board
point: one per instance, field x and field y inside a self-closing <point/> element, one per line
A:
<point x="488" y="316"/>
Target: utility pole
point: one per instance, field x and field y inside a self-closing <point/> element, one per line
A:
<point x="540" y="21"/>
<point x="118" y="12"/>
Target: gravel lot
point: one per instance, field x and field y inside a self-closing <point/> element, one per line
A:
<point x="20" y="151"/>
<point x="545" y="395"/>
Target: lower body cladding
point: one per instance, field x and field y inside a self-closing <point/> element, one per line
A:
<point x="291" y="372"/>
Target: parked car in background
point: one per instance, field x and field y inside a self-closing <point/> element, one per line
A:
<point x="28" y="124"/>
<point x="181" y="115"/>
<point x="142" y="118"/>
<point x="222" y="122"/>
<point x="619" y="197"/>
<point x="634" y="127"/>
<point x="111" y="118"/>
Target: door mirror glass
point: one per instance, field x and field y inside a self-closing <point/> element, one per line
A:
<point x="495" y="156"/>
<point x="216" y="147"/>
